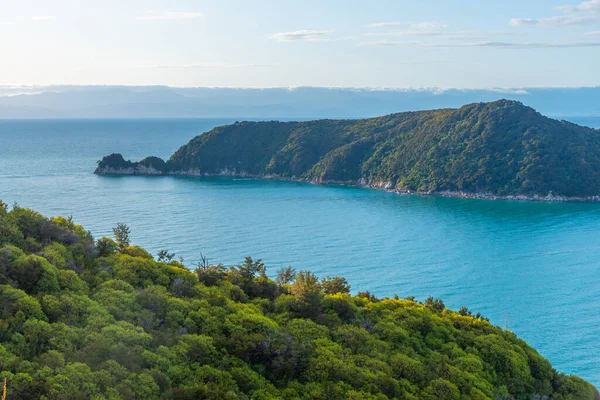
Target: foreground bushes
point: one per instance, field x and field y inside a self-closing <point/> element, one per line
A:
<point x="83" y="319"/>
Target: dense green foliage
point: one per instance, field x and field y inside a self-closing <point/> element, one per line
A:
<point x="86" y="319"/>
<point x="501" y="148"/>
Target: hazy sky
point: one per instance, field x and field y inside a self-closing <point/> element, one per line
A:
<point x="264" y="43"/>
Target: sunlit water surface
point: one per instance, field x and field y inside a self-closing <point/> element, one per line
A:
<point x="536" y="263"/>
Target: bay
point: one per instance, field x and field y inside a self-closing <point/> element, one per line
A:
<point x="531" y="266"/>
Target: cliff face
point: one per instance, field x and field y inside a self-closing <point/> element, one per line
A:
<point x="501" y="149"/>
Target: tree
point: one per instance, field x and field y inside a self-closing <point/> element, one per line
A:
<point x="251" y="277"/>
<point x="9" y="232"/>
<point x="250" y="269"/>
<point x="34" y="274"/>
<point x="286" y="276"/>
<point x="368" y="295"/>
<point x="211" y="275"/>
<point x="28" y="221"/>
<point x="105" y="246"/>
<point x="308" y="294"/>
<point x="121" y="232"/>
<point x="436" y="305"/>
<point x="165" y="256"/>
<point x="334" y="285"/>
<point x="203" y="263"/>
<point x="441" y="389"/>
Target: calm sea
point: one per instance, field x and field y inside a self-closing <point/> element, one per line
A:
<point x="537" y="264"/>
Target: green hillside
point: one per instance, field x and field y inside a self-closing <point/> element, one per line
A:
<point x="101" y="319"/>
<point x="502" y="148"/>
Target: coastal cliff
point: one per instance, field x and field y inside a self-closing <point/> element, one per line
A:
<point x="499" y="150"/>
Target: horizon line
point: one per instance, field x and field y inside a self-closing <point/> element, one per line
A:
<point x="295" y="87"/>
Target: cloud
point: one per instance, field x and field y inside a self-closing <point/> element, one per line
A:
<point x="438" y="34"/>
<point x="421" y="29"/>
<point x="592" y="6"/>
<point x="427" y="25"/>
<point x="43" y="18"/>
<point x="303" y="35"/>
<point x="532" y="45"/>
<point x="213" y="65"/>
<point x="490" y="44"/>
<point x="392" y="43"/>
<point x="384" y="24"/>
<point x="169" y="15"/>
<point x="587" y="12"/>
<point x="421" y="26"/>
<point x="594" y="33"/>
<point x="563" y="20"/>
<point x="510" y="91"/>
<point x="524" y="21"/>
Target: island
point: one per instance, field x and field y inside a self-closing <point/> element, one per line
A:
<point x="497" y="150"/>
<point x="86" y="318"/>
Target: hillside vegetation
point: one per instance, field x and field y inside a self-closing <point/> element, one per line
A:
<point x="102" y="319"/>
<point x="502" y="148"/>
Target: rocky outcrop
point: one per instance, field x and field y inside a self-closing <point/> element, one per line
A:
<point x="115" y="164"/>
<point x="136" y="170"/>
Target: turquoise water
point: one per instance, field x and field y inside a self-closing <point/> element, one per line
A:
<point x="537" y="263"/>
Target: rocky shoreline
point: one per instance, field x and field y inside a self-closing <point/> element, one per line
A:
<point x="142" y="170"/>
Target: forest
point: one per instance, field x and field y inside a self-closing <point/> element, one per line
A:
<point x="500" y="149"/>
<point x="86" y="318"/>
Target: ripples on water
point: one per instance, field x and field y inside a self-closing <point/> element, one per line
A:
<point x="535" y="262"/>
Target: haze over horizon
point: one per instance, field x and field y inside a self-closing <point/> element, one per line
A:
<point x="268" y="103"/>
<point x="384" y="44"/>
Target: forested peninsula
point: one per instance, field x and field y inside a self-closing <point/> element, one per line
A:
<point x="82" y="318"/>
<point x="501" y="150"/>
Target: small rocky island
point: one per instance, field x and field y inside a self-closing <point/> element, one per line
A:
<point x="498" y="150"/>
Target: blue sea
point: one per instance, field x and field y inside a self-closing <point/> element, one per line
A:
<point x="532" y="266"/>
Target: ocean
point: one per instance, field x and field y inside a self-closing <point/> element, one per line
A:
<point x="531" y="267"/>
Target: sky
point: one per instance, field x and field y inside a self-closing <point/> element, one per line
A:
<point x="286" y="43"/>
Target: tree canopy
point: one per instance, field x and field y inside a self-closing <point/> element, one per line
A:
<point x="94" y="319"/>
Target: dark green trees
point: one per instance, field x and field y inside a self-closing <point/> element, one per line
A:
<point x="334" y="285"/>
<point x="121" y="232"/>
<point x="502" y="148"/>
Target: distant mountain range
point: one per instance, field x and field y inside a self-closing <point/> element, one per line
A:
<point x="302" y="102"/>
<point x="501" y="149"/>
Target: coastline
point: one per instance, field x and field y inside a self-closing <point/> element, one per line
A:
<point x="141" y="170"/>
